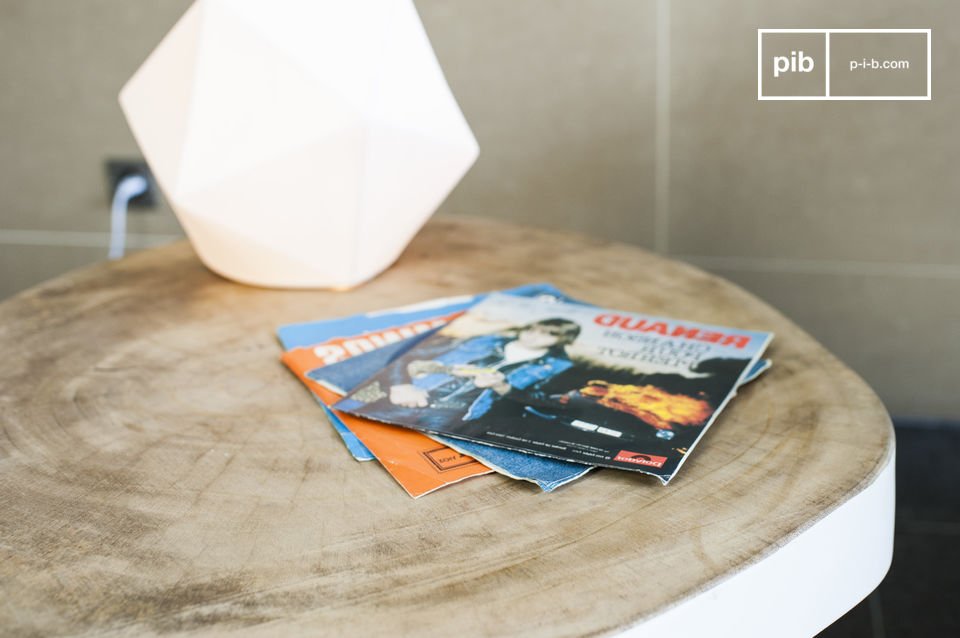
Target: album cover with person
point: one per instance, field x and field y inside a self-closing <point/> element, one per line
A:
<point x="579" y="383"/>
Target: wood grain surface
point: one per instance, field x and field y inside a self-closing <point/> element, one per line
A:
<point x="162" y="473"/>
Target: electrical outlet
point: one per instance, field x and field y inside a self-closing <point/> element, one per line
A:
<point x="117" y="169"/>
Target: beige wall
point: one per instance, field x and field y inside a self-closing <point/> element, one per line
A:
<point x="62" y="63"/>
<point x="629" y="119"/>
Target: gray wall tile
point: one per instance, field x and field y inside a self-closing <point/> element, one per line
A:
<point x="62" y="65"/>
<point x="873" y="181"/>
<point x="560" y="94"/>
<point x="901" y="334"/>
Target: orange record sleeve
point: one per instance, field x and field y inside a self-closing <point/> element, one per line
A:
<point x="420" y="464"/>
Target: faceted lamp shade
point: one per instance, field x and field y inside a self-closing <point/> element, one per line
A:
<point x="301" y="143"/>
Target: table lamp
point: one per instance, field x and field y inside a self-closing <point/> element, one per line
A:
<point x="301" y="143"/>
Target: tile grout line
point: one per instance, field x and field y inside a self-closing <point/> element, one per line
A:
<point x="876" y="615"/>
<point x="661" y="188"/>
<point x="914" y="525"/>
<point x="79" y="239"/>
<point x="824" y="266"/>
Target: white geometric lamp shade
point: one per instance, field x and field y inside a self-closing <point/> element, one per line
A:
<point x="301" y="143"/>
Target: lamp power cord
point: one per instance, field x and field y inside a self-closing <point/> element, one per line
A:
<point x="127" y="188"/>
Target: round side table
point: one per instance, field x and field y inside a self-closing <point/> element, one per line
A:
<point x="162" y="473"/>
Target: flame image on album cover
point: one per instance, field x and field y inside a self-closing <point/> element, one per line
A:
<point x="573" y="382"/>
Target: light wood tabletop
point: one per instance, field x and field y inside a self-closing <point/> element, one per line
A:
<point x="162" y="473"/>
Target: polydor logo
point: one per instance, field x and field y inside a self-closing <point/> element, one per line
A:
<point x="625" y="456"/>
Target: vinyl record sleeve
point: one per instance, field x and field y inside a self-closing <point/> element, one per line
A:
<point x="572" y="382"/>
<point x="400" y="450"/>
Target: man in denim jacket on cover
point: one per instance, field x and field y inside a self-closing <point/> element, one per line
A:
<point x="471" y="376"/>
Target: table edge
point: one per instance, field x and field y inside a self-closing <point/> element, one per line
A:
<point x="852" y="544"/>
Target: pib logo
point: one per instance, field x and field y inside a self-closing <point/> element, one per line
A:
<point x="638" y="458"/>
<point x="797" y="62"/>
<point x="791" y="64"/>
